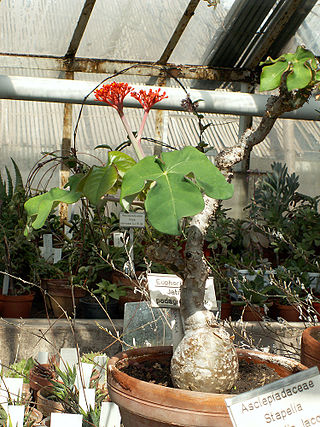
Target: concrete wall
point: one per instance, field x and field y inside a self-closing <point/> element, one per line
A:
<point x="24" y="338"/>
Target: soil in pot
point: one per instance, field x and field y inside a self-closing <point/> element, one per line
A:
<point x="250" y="375"/>
<point x="45" y="405"/>
<point x="40" y="376"/>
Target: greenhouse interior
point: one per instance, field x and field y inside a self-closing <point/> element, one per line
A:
<point x="159" y="213"/>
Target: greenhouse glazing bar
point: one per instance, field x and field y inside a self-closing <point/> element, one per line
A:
<point x="79" y="92"/>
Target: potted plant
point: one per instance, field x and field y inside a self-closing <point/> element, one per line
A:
<point x="254" y="295"/>
<point x="18" y="255"/>
<point x="289" y="293"/>
<point x="103" y="302"/>
<point x="185" y="184"/>
<point x="63" y="396"/>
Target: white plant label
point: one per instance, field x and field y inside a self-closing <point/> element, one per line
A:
<point x="118" y="241"/>
<point x="15" y="415"/>
<point x="84" y="372"/>
<point x="5" y="284"/>
<point x="110" y="415"/>
<point x="290" y="402"/>
<point x="165" y="291"/>
<point x="48" y="252"/>
<point x="87" y="398"/>
<point x="42" y="357"/>
<point x="13" y="386"/>
<point x="132" y="219"/>
<point x="58" y="419"/>
<point x="68" y="357"/>
<point x="100" y="366"/>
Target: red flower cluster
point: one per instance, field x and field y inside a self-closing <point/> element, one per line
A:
<point x="148" y="99"/>
<point x="113" y="94"/>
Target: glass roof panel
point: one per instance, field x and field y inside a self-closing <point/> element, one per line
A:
<point x="131" y="30"/>
<point x="309" y="32"/>
<point x="200" y="33"/>
<point x="140" y="30"/>
<point x="42" y="27"/>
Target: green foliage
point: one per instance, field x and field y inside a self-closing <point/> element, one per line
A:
<point x="7" y="190"/>
<point x="106" y="290"/>
<point x="255" y="291"/>
<point x="64" y="391"/>
<point x="94" y="184"/>
<point x="301" y="68"/>
<point x="39" y="207"/>
<point x="178" y="179"/>
<point x="20" y="369"/>
<point x="288" y="220"/>
<point x="17" y="254"/>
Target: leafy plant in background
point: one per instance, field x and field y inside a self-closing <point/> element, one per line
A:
<point x="285" y="220"/>
<point x="20" y="369"/>
<point x="184" y="183"/>
<point x="107" y="290"/>
<point x="17" y="254"/>
<point x="254" y="291"/>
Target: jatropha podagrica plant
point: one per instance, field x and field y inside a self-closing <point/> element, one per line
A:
<point x="181" y="190"/>
<point x="176" y="185"/>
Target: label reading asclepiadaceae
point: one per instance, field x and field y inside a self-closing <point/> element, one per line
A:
<point x="290" y="402"/>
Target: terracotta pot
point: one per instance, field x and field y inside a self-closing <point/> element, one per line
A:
<point x="40" y="377"/>
<point x="16" y="306"/>
<point x="253" y="313"/>
<point x="151" y="405"/>
<point x="310" y="346"/>
<point x="34" y="416"/>
<point x="60" y="296"/>
<point x="316" y="306"/>
<point x="226" y="309"/>
<point x="288" y="312"/>
<point x="45" y="405"/>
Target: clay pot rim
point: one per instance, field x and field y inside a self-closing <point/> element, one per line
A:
<point x="285" y="363"/>
<point x="309" y="332"/>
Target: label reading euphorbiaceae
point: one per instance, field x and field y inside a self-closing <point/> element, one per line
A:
<point x="293" y="401"/>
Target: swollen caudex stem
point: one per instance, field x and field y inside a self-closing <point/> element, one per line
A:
<point x="205" y="360"/>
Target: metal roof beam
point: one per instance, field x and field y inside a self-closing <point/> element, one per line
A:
<point x="80" y="28"/>
<point x="188" y="13"/>
<point x="147" y="69"/>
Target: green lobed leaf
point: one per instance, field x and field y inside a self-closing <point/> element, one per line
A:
<point x="95" y="184"/>
<point x="302" y="64"/>
<point x="39" y="207"/>
<point x="271" y="75"/>
<point x="174" y="195"/>
<point x="122" y="161"/>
